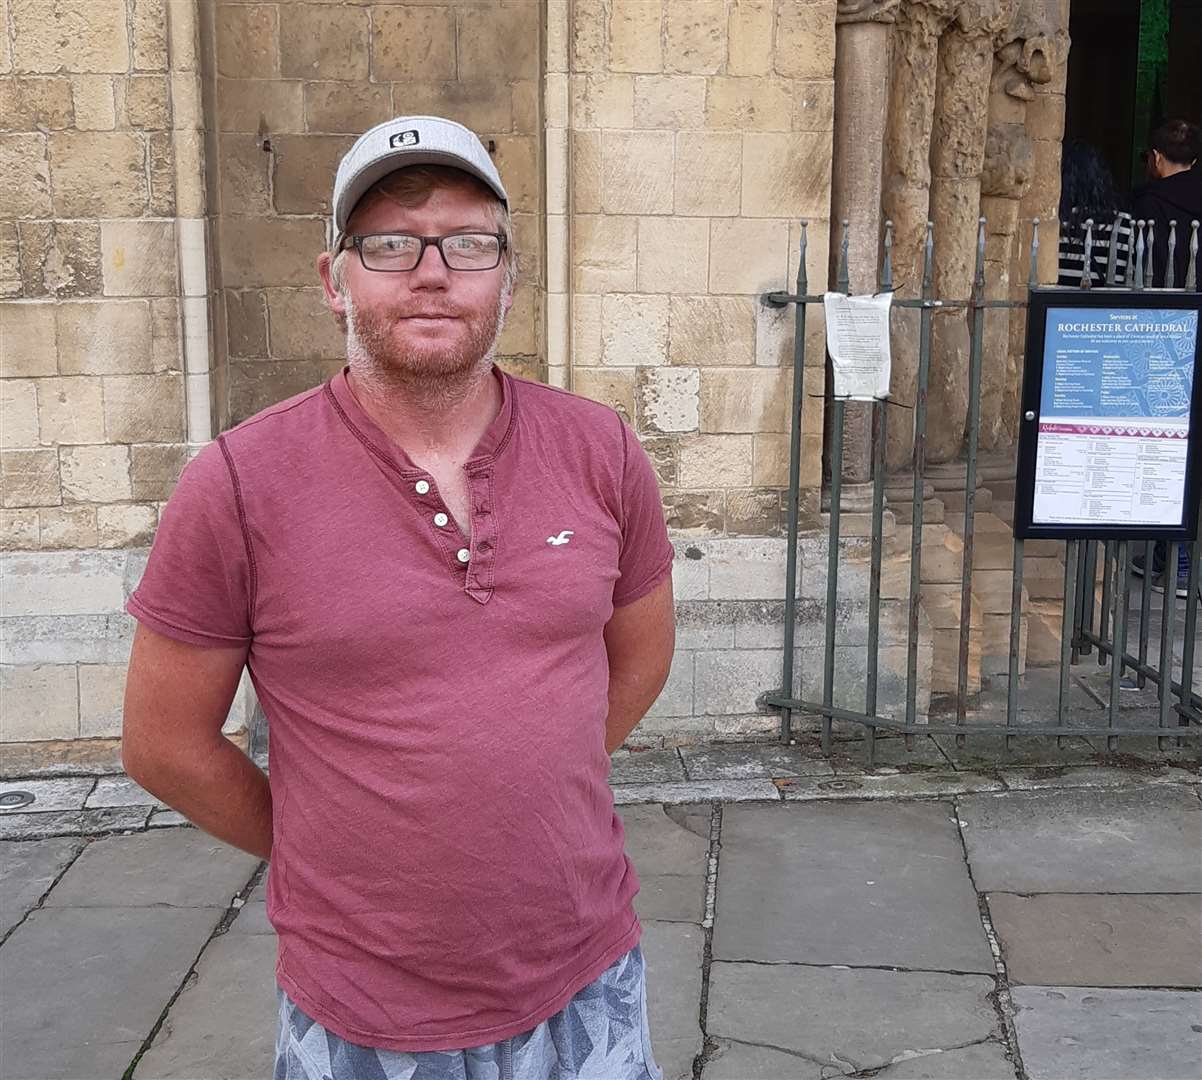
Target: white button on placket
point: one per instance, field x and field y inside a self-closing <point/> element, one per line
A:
<point x="422" y="487"/>
<point x="463" y="555"/>
<point x="440" y="520"/>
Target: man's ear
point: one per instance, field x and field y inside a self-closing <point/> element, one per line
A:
<point x="335" y="301"/>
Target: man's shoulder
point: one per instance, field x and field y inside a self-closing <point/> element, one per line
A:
<point x="273" y="430"/>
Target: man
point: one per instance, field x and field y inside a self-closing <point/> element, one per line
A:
<point x="1173" y="193"/>
<point x="452" y="590"/>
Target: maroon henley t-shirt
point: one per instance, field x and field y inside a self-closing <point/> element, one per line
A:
<point x="447" y="867"/>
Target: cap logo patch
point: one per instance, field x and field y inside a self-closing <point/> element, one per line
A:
<point x="405" y="138"/>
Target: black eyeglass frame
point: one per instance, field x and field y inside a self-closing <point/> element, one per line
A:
<point x="356" y="242"/>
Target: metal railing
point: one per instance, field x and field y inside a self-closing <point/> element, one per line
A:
<point x="1083" y="628"/>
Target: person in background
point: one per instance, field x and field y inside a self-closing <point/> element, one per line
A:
<point x="1087" y="192"/>
<point x="1173" y="193"/>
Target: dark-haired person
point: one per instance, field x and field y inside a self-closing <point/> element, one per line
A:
<point x="1173" y="193"/>
<point x="1087" y="193"/>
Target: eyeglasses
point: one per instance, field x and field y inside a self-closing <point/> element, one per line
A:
<point x="399" y="252"/>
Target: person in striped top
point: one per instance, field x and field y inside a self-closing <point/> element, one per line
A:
<point x="1087" y="193"/>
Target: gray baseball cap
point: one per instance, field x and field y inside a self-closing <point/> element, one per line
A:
<point x="401" y="142"/>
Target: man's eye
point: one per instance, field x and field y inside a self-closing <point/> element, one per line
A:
<point x="467" y="243"/>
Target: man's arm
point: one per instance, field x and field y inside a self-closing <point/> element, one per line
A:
<point x="177" y="696"/>
<point x="639" y="639"/>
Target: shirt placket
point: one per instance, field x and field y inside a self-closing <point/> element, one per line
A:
<point x="472" y="563"/>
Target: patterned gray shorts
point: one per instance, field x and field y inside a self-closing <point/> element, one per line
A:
<point x="601" y="1034"/>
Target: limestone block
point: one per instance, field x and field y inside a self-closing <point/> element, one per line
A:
<point x="500" y="38"/>
<point x="411" y="42"/>
<point x="304" y="166"/>
<point x="748" y="104"/>
<point x="144" y="408"/>
<point x="611" y="386"/>
<point x="942" y="555"/>
<point x="520" y="332"/>
<point x="255" y="386"/>
<point x="245" y="174"/>
<point x="278" y="251"/>
<point x="165" y="334"/>
<point x="103" y="338"/>
<point x="710" y="461"/>
<point x="634" y="330"/>
<point x="40" y="702"/>
<point x="149" y="34"/>
<point x="711" y="330"/>
<point x="747" y="569"/>
<point x="517" y="160"/>
<point x="786" y="175"/>
<point x="98" y="174"/>
<point x="94" y="102"/>
<point x="747" y="256"/>
<point x="669" y="399"/>
<point x="18" y="413"/>
<point x="64" y="583"/>
<point x="814" y="105"/>
<point x="101" y="699"/>
<point x="805" y="41"/>
<point x="669" y="101"/>
<point x="10" y="259"/>
<point x="636" y="172"/>
<point x="60" y="258"/>
<point x="28" y="104"/>
<point x="154" y="470"/>
<point x="945" y="661"/>
<point x="140" y="258"/>
<point x="749" y="45"/>
<point x="278" y="106"/>
<point x="695" y="36"/>
<point x="635" y="30"/>
<point x="95" y="473"/>
<point x="588" y="36"/>
<point x="709" y="169"/>
<point x="673" y="254"/>
<point x="604" y="250"/>
<point x="323" y="42"/>
<point x="744" y="399"/>
<point x="350" y="107"/>
<point x="676" y="698"/>
<point x="586" y="171"/>
<point x="69" y="35"/>
<point x="995" y="644"/>
<point x="146" y="101"/>
<point x="160" y="148"/>
<point x="528" y="246"/>
<point x="125" y="525"/>
<point x="1045" y="117"/>
<point x="6" y="56"/>
<point x="248" y="41"/>
<point x="729" y="680"/>
<point x="70" y="410"/>
<point x="770" y="460"/>
<point x="695" y="513"/>
<point x="31" y="478"/>
<point x="754" y="512"/>
<point x="601" y="101"/>
<point x="66" y="527"/>
<point x="663" y="456"/>
<point x="18" y="530"/>
<point x="586" y="331"/>
<point x="24" y="175"/>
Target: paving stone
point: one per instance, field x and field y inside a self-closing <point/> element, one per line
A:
<point x="120" y="791"/>
<point x="27" y="870"/>
<point x="750" y="762"/>
<point x="699" y="791"/>
<point x="175" y="867"/>
<point x="671" y="899"/>
<point x="95" y="822"/>
<point x="252" y="919"/>
<point x="222" y="1027"/>
<point x="989" y="751"/>
<point x="1042" y="778"/>
<point x="852" y="756"/>
<point x="1085" y="840"/>
<point x="857" y="883"/>
<point x="674" y="954"/>
<point x="846" y="1020"/>
<point x="166" y="819"/>
<point x="671" y="860"/>
<point x="1058" y="939"/>
<point x="65" y="794"/>
<point x="1075" y="1033"/>
<point x="980" y="1061"/>
<point x="110" y="970"/>
<point x="897" y="785"/>
<point x="646" y="767"/>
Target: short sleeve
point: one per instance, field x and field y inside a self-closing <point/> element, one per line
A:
<point x="199" y="583"/>
<point x="646" y="557"/>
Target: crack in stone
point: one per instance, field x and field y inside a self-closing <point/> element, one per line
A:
<point x="857" y="967"/>
<point x="707" y="928"/>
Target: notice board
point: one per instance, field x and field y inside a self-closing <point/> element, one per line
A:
<point x="1110" y="428"/>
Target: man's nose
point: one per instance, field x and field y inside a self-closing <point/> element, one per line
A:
<point x="431" y="270"/>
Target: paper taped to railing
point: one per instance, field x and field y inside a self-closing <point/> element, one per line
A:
<point x="857" y="337"/>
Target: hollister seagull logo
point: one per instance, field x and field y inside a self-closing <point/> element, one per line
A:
<point x="405" y="138"/>
<point x="562" y="538"/>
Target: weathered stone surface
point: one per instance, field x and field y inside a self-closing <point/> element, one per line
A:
<point x="303" y="165"/>
<point x="676" y="698"/>
<point x="324" y="42"/>
<point x="634" y="330"/>
<point x="346" y="106"/>
<point x="820" y="859"/>
<point x="69" y="35"/>
<point x="72" y="822"/>
<point x="981" y="1061"/>
<point x="251" y="105"/>
<point x="669" y="101"/>
<point x="1075" y="1033"/>
<point x="786" y="174"/>
<point x="95" y="473"/>
<point x="95" y="102"/>
<point x="70" y="583"/>
<point x="747" y="256"/>
<point x="140" y="258"/>
<point x="636" y="172"/>
<point x="62" y="527"/>
<point x="248" y="41"/>
<point x="673" y="953"/>
<point x="108" y="337"/>
<point x="745" y="762"/>
<point x="30" y="478"/>
<point x="682" y="794"/>
<point x="711" y="330"/>
<point x="18" y="530"/>
<point x="120" y="791"/>
<point x="673" y="255"/>
<point x="730" y="681"/>
<point x="1084" y="940"/>
<point x="98" y="174"/>
<point x="604" y="251"/>
<point x="744" y="401"/>
<point x="27" y="104"/>
<point x="154" y="470"/>
<point x="611" y="386"/>
<point x="27" y="870"/>
<point x="60" y="258"/>
<point x="695" y="513"/>
<point x="805" y="40"/>
<point x="58" y="794"/>
<point x="1085" y="841"/>
<point x="495" y="39"/>
<point x="602" y="101"/>
<point x="708" y="179"/>
<point x="669" y="399"/>
<point x="647" y="766"/>
<point x="302" y="327"/>
<point x="70" y="410"/>
<point x="671" y="862"/>
<point x="18" y="413"/>
<point x="911" y="785"/>
<point x="262" y="252"/>
<point x="635" y="34"/>
<point x="715" y="461"/>
<point x="748" y="105"/>
<point x="25" y="174"/>
<point x="411" y="42"/>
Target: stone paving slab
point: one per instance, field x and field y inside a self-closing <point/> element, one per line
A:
<point x="645" y="767"/>
<point x="674" y="954"/>
<point x="65" y="794"/>
<point x="95" y="822"/>
<point x="989" y="751"/>
<point x="121" y="791"/>
<point x="896" y="785"/>
<point x="27" y="870"/>
<point x="980" y="1061"/>
<point x="81" y="988"/>
<point x="845" y="1020"/>
<point x="671" y="862"/>
<point x="1100" y="776"/>
<point x="1064" y="939"/>
<point x="222" y="1027"/>
<point x="1133" y="840"/>
<point x="857" y="883"/>
<point x="757" y="762"/>
<point x="175" y="867"/>
<point x="1074" y="1033"/>
<point x="889" y="751"/>
<point x="702" y="791"/>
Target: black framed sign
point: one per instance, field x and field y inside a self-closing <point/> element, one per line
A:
<point x="1110" y="431"/>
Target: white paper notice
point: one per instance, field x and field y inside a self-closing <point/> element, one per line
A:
<point x="857" y="337"/>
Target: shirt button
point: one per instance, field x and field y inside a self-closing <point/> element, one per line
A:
<point x="440" y="520"/>
<point x="421" y="487"/>
<point x="463" y="555"/>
